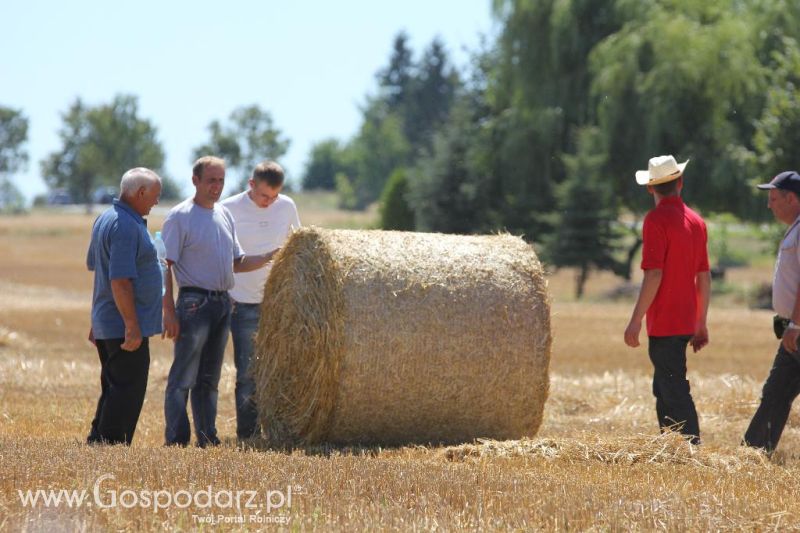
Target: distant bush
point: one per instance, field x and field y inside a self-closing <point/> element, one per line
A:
<point x="396" y="214"/>
<point x="346" y="192"/>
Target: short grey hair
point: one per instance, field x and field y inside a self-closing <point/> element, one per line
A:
<point x="137" y="177"/>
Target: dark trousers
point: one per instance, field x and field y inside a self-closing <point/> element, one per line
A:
<point x="674" y="405"/>
<point x="780" y="390"/>
<point x="123" y="383"/>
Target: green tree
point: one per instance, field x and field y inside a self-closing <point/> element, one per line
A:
<point x="395" y="79"/>
<point x="248" y="138"/>
<point x="396" y="214"/>
<point x="379" y="148"/>
<point x="777" y="135"/>
<point x="682" y="78"/>
<point x="327" y="159"/>
<point x="538" y="86"/>
<point x="584" y="235"/>
<point x="170" y="190"/>
<point x="99" y="144"/>
<point x="13" y="156"/>
<point x="413" y="101"/>
<point x="13" y="136"/>
<point x="11" y="199"/>
<point x="449" y="191"/>
<point x="345" y="191"/>
<point x="431" y="93"/>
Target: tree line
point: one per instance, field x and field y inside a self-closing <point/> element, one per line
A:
<point x="538" y="135"/>
<point x="100" y="142"/>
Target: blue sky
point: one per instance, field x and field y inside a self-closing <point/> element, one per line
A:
<point x="309" y="63"/>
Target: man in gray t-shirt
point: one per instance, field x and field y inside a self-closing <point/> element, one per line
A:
<point x="202" y="254"/>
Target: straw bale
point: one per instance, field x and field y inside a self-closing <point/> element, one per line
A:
<point x="382" y="337"/>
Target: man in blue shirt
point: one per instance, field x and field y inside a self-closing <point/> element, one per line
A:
<point x="126" y="305"/>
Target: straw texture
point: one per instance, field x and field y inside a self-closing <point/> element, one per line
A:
<point x="378" y="337"/>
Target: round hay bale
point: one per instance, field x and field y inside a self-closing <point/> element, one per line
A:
<point x="383" y="337"/>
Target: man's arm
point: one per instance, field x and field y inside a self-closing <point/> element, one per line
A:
<point x="703" y="285"/>
<point x="171" y="328"/>
<point x="122" y="291"/>
<point x="650" y="285"/>
<point x="248" y="263"/>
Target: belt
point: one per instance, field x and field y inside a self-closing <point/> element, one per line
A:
<point x="779" y="325"/>
<point x="204" y="292"/>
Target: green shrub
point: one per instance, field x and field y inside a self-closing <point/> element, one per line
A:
<point x="396" y="214"/>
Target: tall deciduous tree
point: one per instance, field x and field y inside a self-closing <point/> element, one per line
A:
<point x="13" y="136"/>
<point x="327" y="158"/>
<point x="682" y="78"/>
<point x="777" y="136"/>
<point x="538" y="89"/>
<point x="13" y="155"/>
<point x="99" y="144"/>
<point x="249" y="137"/>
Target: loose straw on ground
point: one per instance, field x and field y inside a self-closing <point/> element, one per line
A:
<point x="377" y="337"/>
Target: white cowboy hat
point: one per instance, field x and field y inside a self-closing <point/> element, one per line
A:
<point x="660" y="169"/>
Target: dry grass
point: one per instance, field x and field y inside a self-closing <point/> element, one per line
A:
<point x="597" y="464"/>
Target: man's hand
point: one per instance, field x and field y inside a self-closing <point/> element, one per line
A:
<point x="133" y="339"/>
<point x="248" y="263"/>
<point x="171" y="328"/>
<point x="700" y="338"/>
<point x="91" y="336"/>
<point x="790" y="339"/>
<point x="632" y="333"/>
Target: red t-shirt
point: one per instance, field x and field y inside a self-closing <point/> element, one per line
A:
<point x="675" y="240"/>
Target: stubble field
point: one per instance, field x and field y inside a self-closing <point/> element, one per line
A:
<point x="597" y="463"/>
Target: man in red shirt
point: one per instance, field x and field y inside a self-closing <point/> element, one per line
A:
<point x="675" y="293"/>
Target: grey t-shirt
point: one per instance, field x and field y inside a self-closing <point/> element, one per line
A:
<point x="202" y="243"/>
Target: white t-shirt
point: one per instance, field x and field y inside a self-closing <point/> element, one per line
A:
<point x="259" y="230"/>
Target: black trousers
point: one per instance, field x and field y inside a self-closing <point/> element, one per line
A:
<point x="780" y="390"/>
<point x="123" y="382"/>
<point x="674" y="404"/>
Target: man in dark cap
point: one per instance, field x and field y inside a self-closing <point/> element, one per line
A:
<point x="783" y="383"/>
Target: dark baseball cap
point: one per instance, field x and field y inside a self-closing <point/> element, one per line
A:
<point x="788" y="180"/>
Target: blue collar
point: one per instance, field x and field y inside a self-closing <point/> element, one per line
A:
<point x="120" y="204"/>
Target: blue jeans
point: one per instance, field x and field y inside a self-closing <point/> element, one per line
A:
<point x="199" y="349"/>
<point x="244" y="323"/>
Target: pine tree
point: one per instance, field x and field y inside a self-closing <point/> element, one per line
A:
<point x="584" y="235"/>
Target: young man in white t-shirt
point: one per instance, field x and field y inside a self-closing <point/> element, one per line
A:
<point x="264" y="218"/>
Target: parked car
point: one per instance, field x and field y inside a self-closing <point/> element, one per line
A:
<point x="104" y="195"/>
<point x="59" y="197"/>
